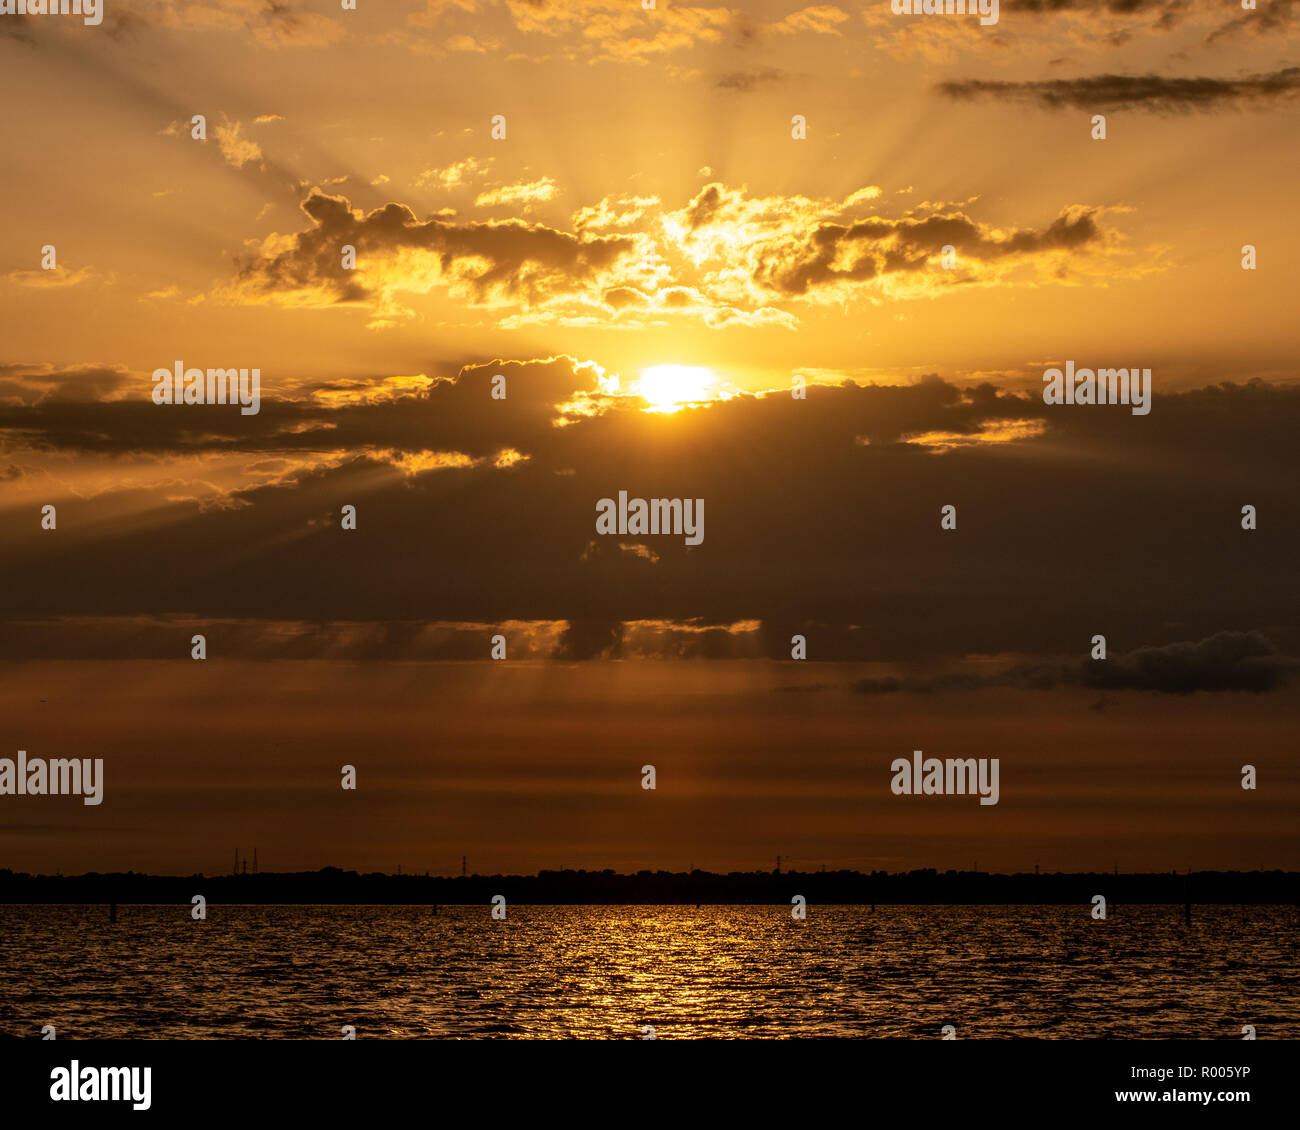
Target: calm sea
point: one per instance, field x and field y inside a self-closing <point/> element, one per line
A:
<point x="274" y="972"/>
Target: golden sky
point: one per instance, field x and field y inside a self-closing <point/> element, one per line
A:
<point x="648" y="231"/>
<point x="648" y="204"/>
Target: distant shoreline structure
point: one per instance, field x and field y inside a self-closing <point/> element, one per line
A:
<point x="331" y="885"/>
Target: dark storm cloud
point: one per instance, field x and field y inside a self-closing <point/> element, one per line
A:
<point x="821" y="518"/>
<point x="1226" y="661"/>
<point x="1144" y="92"/>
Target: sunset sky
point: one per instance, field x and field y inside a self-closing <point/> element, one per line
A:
<point x="648" y="232"/>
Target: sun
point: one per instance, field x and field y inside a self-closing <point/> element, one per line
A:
<point x="666" y="388"/>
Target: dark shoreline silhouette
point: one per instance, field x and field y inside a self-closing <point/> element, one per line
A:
<point x="332" y="885"/>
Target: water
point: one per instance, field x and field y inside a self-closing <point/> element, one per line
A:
<point x="275" y="972"/>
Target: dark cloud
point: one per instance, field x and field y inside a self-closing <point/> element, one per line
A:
<point x="707" y="204"/>
<point x="834" y="253"/>
<point x="1111" y="7"/>
<point x="821" y="517"/>
<point x="1145" y="92"/>
<point x="34" y="384"/>
<point x="1226" y="661"/>
<point x="745" y="81"/>
<point x="788" y="248"/>
<point x="1270" y="18"/>
<point x="590" y="639"/>
<point x="511" y="257"/>
<point x="63" y="410"/>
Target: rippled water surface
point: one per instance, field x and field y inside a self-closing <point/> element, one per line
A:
<point x="272" y="972"/>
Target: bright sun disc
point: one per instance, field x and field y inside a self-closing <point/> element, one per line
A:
<point x="667" y="387"/>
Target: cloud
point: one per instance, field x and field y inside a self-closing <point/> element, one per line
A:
<point x="1271" y="19"/>
<point x="511" y="195"/>
<point x="619" y="212"/>
<point x="31" y="385"/>
<point x="822" y="19"/>
<point x="1143" y="92"/>
<point x="1039" y="33"/>
<point x="1227" y="661"/>
<point x="152" y="637"/>
<point x="281" y="26"/>
<point x="272" y="24"/>
<point x="467" y="43"/>
<point x="794" y="247"/>
<point x="235" y="148"/>
<point x="38" y="278"/>
<point x="725" y="258"/>
<point x="435" y="9"/>
<point x="481" y="261"/>
<point x="1224" y="662"/>
<point x="483" y="510"/>
<point x="1108" y="10"/>
<point x="619" y="31"/>
<point x="622" y="32"/>
<point x="745" y="81"/>
<point x="454" y="175"/>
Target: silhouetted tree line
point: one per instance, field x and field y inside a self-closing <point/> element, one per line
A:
<point x="332" y="885"/>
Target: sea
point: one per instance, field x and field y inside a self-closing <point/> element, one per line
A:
<point x="639" y="972"/>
